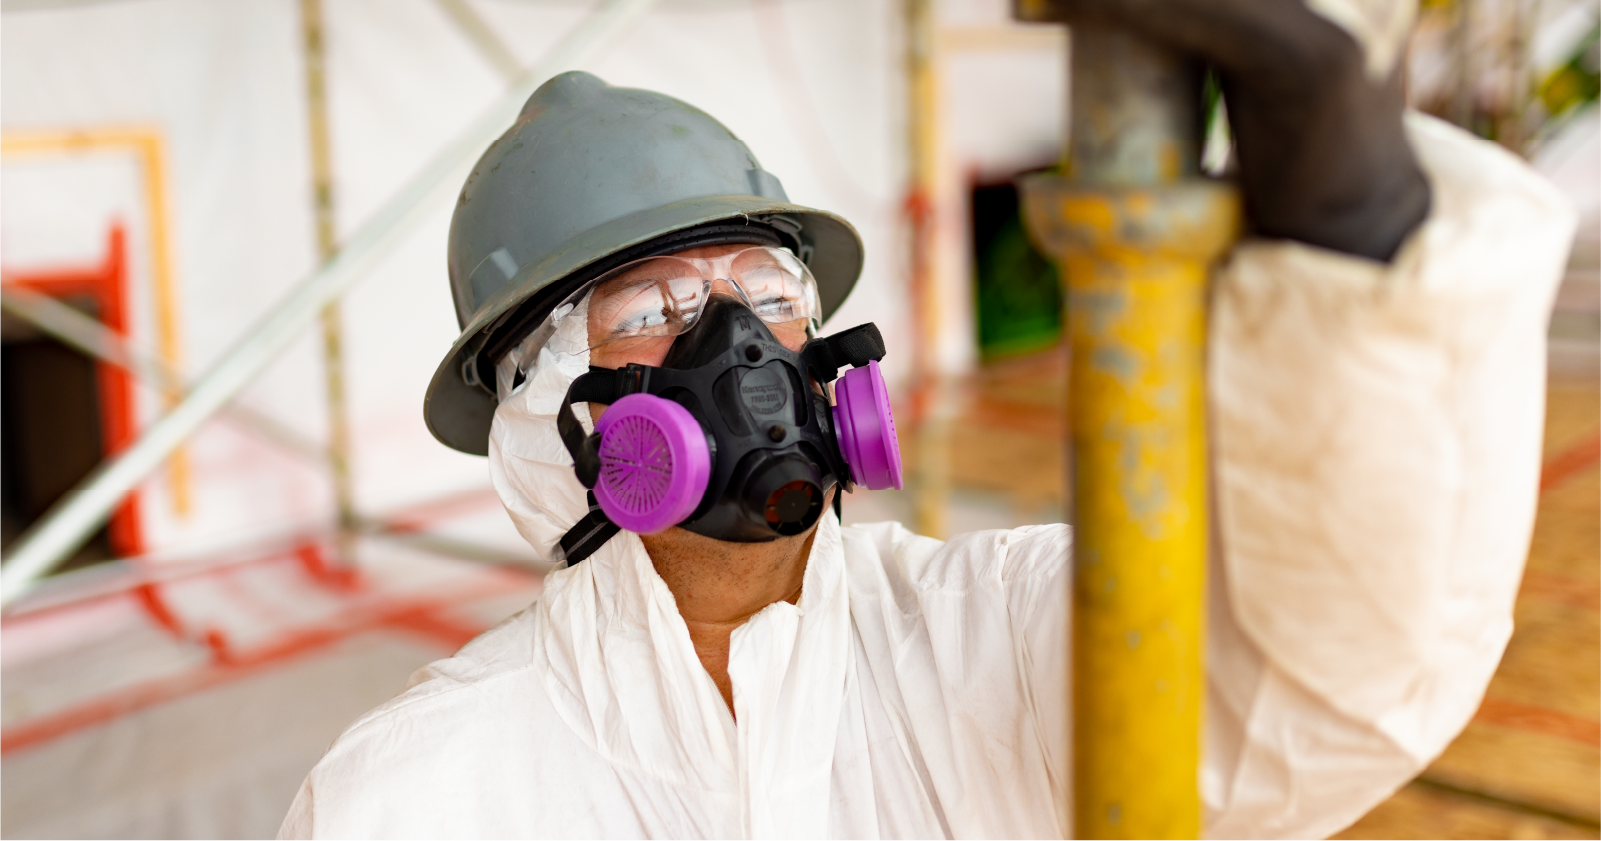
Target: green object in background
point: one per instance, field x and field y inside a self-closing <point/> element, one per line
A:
<point x="1576" y="82"/>
<point x="1018" y="293"/>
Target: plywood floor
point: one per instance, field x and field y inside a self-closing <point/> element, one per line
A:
<point x="1529" y="765"/>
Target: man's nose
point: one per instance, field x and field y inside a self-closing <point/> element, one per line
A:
<point x="725" y="286"/>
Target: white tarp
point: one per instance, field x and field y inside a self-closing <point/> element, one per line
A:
<point x="816" y="89"/>
<point x="193" y="706"/>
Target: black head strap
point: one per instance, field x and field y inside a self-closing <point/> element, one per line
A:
<point x="600" y="385"/>
<point x="588" y="535"/>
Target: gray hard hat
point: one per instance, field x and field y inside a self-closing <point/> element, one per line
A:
<point x="591" y="176"/>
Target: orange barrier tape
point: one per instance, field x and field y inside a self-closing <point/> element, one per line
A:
<point x="1572" y="461"/>
<point x="1534" y="719"/>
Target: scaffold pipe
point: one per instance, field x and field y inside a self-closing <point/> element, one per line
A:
<point x="1135" y="229"/>
<point x="93" y="339"/>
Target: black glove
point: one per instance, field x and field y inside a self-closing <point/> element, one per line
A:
<point x="1322" y="155"/>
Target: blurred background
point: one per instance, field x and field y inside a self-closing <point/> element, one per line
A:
<point x="170" y="170"/>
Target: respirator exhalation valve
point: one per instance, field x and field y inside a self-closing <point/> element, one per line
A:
<point x="788" y="491"/>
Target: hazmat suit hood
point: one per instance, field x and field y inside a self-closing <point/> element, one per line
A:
<point x="528" y="464"/>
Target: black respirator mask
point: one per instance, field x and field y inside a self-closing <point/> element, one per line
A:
<point x="729" y="438"/>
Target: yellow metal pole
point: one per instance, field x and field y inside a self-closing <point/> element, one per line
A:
<point x="1135" y="230"/>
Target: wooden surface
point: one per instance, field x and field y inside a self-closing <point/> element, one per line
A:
<point x="1011" y="428"/>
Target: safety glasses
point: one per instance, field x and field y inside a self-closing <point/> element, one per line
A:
<point x="663" y="296"/>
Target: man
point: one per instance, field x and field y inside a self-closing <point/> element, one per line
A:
<point x="720" y="657"/>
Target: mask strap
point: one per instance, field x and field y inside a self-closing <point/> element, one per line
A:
<point x="587" y="535"/>
<point x="854" y="347"/>
<point x="600" y="385"/>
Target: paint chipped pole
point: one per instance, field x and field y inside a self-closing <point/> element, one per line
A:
<point x="1135" y="229"/>
<point x="67" y="524"/>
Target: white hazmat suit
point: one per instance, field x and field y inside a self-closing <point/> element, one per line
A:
<point x="1376" y="455"/>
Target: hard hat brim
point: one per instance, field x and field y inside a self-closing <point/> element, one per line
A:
<point x="459" y="414"/>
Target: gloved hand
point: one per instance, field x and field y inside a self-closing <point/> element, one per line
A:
<point x="1322" y="155"/>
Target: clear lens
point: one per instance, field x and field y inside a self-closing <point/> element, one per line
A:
<point x="776" y="285"/>
<point x="659" y="296"/>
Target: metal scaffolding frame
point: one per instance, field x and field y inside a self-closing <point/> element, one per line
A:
<point x="76" y="330"/>
<point x="75" y="517"/>
<point x="314" y="51"/>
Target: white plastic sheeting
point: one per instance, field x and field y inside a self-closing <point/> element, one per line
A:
<point x="815" y="88"/>
<point x="191" y="706"/>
